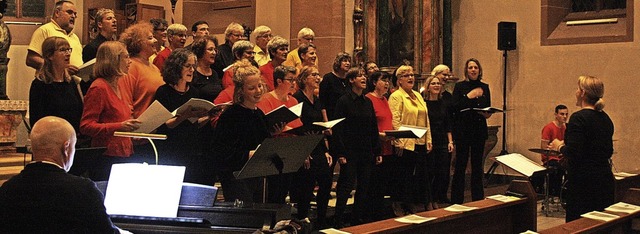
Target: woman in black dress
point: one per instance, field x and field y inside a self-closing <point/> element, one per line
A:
<point x="53" y="91"/>
<point x="440" y="123"/>
<point x="181" y="147"/>
<point x="587" y="147"/>
<point x="470" y="131"/>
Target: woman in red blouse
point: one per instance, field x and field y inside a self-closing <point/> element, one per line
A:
<point x="383" y="172"/>
<point x="105" y="110"/>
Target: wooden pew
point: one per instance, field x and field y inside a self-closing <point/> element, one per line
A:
<point x="623" y="185"/>
<point x="491" y="217"/>
<point x="585" y="225"/>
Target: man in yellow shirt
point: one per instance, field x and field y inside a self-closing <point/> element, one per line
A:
<point x="61" y="25"/>
<point x="305" y="36"/>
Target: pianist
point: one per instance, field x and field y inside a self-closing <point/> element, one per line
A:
<point x="43" y="198"/>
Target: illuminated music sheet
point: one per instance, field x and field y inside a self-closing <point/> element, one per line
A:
<point x="144" y="190"/>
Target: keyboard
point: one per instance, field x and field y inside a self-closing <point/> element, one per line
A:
<point x="166" y="221"/>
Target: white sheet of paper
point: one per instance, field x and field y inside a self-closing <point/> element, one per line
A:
<point x="417" y="131"/>
<point x="144" y="190"/>
<point x="503" y="198"/>
<point x="623" y="208"/>
<point x="333" y="231"/>
<point x="624" y="174"/>
<point x="529" y="232"/>
<point x="520" y="163"/>
<point x="459" y="208"/>
<point x="597" y="215"/>
<point x="297" y="109"/>
<point x="153" y="117"/>
<point x="414" y="219"/>
<point x="329" y="124"/>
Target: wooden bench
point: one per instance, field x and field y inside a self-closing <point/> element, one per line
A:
<point x="491" y="217"/>
<point x="623" y="185"/>
<point x="585" y="225"/>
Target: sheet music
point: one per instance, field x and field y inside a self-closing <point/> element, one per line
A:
<point x="153" y="117"/>
<point x="297" y="109"/>
<point x="623" y="208"/>
<point x="459" y="208"/>
<point x="503" y="198"/>
<point x="414" y="219"/>
<point x="418" y="131"/>
<point x="328" y="124"/>
<point x="597" y="215"/>
<point x="520" y="163"/>
<point x="144" y="190"/>
<point x="333" y="231"/>
<point x="85" y="71"/>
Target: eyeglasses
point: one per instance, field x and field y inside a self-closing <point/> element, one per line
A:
<point x="189" y="66"/>
<point x="237" y="35"/>
<point x="65" y="50"/>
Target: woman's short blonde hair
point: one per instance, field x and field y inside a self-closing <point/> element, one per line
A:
<point x="108" y="59"/>
<point x="439" y="69"/>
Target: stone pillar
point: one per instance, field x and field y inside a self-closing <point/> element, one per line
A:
<point x="327" y="19"/>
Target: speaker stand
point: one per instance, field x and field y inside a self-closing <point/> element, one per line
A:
<point x="504" y="151"/>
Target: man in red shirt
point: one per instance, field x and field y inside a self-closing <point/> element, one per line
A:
<point x="554" y="130"/>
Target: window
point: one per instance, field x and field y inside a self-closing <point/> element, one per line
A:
<point x="28" y="10"/>
<point x="568" y="22"/>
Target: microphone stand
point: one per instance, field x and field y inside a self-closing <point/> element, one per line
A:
<point x="148" y="136"/>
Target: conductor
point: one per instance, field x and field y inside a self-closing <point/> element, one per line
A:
<point x="44" y="198"/>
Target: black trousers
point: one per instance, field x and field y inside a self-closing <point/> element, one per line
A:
<point x="589" y="190"/>
<point x="385" y="181"/>
<point x="304" y="181"/>
<point x="442" y="164"/>
<point x="246" y="190"/>
<point x="466" y="149"/>
<point x="416" y="176"/>
<point x="358" y="167"/>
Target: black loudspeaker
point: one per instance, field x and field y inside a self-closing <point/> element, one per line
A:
<point x="506" y="35"/>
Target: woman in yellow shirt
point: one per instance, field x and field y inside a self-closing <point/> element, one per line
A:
<point x="408" y="108"/>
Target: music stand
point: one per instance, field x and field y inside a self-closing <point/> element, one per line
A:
<point x="278" y="156"/>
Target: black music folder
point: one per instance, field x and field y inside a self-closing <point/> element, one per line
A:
<point x="283" y="114"/>
<point x="407" y="131"/>
<point x="315" y="128"/>
<point x="278" y="156"/>
<point x="486" y="109"/>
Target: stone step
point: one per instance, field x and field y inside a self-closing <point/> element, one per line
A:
<point x="11" y="164"/>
